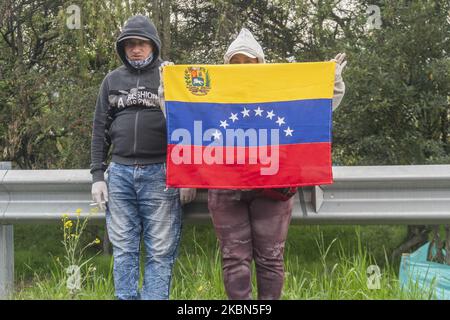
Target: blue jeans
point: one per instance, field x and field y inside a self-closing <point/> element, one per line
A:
<point x="140" y="204"/>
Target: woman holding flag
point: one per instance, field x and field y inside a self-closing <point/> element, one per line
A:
<point x="253" y="224"/>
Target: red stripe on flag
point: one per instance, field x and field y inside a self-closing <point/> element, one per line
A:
<point x="298" y="165"/>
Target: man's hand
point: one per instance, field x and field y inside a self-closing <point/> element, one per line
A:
<point x="161" y="86"/>
<point x="341" y="62"/>
<point x="100" y="194"/>
<point x="187" y="195"/>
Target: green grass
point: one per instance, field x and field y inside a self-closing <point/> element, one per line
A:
<point x="326" y="262"/>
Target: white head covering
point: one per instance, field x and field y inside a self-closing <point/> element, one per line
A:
<point x="246" y="44"/>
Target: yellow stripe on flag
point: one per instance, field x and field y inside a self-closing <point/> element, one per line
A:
<point x="249" y="83"/>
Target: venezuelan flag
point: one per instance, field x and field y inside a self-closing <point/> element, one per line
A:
<point x="249" y="125"/>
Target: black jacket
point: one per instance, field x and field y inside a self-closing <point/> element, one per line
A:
<point x="127" y="114"/>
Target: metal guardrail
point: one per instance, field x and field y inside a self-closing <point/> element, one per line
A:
<point x="359" y="195"/>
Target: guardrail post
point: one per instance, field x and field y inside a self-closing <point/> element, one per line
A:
<point x="6" y="261"/>
<point x="6" y="254"/>
<point x="317" y="198"/>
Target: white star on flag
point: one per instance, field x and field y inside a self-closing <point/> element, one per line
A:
<point x="245" y="113"/>
<point x="224" y="124"/>
<point x="216" y="135"/>
<point x="270" y="114"/>
<point x="280" y="121"/>
<point x="233" y="117"/>
<point x="288" y="132"/>
<point x="258" y="112"/>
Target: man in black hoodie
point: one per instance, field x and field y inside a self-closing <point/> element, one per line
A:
<point x="138" y="203"/>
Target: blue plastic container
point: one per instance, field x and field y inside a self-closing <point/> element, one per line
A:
<point x="416" y="273"/>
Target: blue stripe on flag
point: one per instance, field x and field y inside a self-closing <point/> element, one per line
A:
<point x="301" y="121"/>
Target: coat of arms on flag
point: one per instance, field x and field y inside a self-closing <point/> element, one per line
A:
<point x="249" y="125"/>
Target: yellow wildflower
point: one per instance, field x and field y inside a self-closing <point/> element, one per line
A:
<point x="97" y="241"/>
<point x="78" y="212"/>
<point x="68" y="224"/>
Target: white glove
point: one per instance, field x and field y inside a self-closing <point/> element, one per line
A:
<point x="161" y="86"/>
<point x="100" y="194"/>
<point x="341" y="62"/>
<point x="187" y="195"/>
<point x="339" y="85"/>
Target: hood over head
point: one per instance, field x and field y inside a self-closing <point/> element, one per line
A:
<point x="246" y="44"/>
<point x="139" y="27"/>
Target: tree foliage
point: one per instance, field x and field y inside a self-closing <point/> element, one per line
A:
<point x="396" y="109"/>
